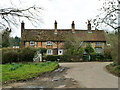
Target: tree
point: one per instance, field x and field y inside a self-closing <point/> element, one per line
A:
<point x="11" y="16"/>
<point x="112" y="39"/>
<point x="73" y="46"/>
<point x="109" y="14"/>
<point x="89" y="50"/>
<point x="5" y="38"/>
<point x="14" y="41"/>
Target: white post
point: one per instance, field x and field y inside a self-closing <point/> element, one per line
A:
<point x="40" y="56"/>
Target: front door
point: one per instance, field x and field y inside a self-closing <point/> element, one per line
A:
<point x="60" y="52"/>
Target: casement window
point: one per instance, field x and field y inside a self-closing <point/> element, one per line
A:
<point x="98" y="44"/>
<point x="49" y="52"/>
<point x="98" y="50"/>
<point x="32" y="43"/>
<point x="49" y="43"/>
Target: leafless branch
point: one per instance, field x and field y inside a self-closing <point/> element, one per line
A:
<point x="9" y="15"/>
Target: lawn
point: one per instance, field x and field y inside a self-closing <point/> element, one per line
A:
<point x="15" y="72"/>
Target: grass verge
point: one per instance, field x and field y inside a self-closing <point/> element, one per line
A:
<point x="114" y="69"/>
<point x="16" y="72"/>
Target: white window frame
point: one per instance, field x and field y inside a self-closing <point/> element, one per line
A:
<point x="97" y="51"/>
<point x="60" y="50"/>
<point x="98" y="44"/>
<point x="49" y="43"/>
<point x="89" y="31"/>
<point x="32" y="43"/>
<point x="49" y="52"/>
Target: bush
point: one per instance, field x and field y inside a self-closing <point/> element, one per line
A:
<point x="65" y="58"/>
<point x="112" y="64"/>
<point x="117" y="68"/>
<point x="62" y="58"/>
<point x="52" y="57"/>
<point x="97" y="57"/>
<point x="10" y="56"/>
<point x="86" y="57"/>
<point x="27" y="54"/>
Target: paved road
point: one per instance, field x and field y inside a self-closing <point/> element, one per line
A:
<point x="91" y="74"/>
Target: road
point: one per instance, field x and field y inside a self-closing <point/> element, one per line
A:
<point x="91" y="74"/>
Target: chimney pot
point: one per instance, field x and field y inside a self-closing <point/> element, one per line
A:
<point x="73" y="27"/>
<point x="22" y="28"/>
<point x="55" y="32"/>
<point x="89" y="25"/>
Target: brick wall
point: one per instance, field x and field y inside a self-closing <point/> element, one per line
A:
<point x="60" y="44"/>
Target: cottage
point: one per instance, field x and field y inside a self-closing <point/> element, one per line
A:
<point x="53" y="39"/>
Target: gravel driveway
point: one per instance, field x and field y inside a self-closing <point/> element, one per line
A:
<point x="91" y="74"/>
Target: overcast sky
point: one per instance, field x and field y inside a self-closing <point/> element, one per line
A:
<point x="64" y="11"/>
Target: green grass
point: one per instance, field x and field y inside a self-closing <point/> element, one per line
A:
<point x="114" y="69"/>
<point x="15" y="72"/>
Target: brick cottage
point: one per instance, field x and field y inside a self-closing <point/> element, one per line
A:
<point x="53" y="39"/>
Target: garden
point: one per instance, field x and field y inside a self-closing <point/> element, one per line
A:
<point x="18" y="64"/>
<point x="18" y="71"/>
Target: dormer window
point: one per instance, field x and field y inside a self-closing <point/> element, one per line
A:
<point x="89" y="31"/>
<point x="32" y="43"/>
<point x="49" y="43"/>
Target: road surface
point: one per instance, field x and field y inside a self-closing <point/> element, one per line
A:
<point x="91" y="74"/>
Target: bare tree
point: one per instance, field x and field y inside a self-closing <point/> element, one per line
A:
<point x="109" y="14"/>
<point x="12" y="16"/>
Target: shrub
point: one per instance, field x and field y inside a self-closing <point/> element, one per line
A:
<point x="52" y="57"/>
<point x="112" y="64"/>
<point x="27" y="54"/>
<point x="10" y="56"/>
<point x="62" y="58"/>
<point x="86" y="57"/>
<point x="107" y="53"/>
<point x="89" y="50"/>
<point x="97" y="57"/>
<point x="65" y="58"/>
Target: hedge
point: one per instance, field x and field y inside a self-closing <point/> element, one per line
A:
<point x="27" y="54"/>
<point x="61" y="58"/>
<point x="10" y="55"/>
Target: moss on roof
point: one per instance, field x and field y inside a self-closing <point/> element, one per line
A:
<point x="48" y="34"/>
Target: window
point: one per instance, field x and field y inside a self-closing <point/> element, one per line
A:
<point x="60" y="52"/>
<point x="32" y="43"/>
<point x="89" y="31"/>
<point x="89" y="43"/>
<point x="98" y="44"/>
<point x="98" y="50"/>
<point x="49" y="43"/>
<point x="49" y="52"/>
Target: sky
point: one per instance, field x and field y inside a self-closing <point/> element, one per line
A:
<point x="63" y="11"/>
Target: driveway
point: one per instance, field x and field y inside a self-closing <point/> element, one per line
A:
<point x="91" y="74"/>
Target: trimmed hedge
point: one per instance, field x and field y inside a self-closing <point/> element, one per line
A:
<point x="52" y="57"/>
<point x="27" y="54"/>
<point x="61" y="58"/>
<point x="10" y="55"/>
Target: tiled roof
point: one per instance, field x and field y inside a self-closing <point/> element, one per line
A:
<point x="48" y="34"/>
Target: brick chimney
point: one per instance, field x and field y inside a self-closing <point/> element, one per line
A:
<point x="73" y="27"/>
<point x="55" y="27"/>
<point x="22" y="27"/>
<point x="89" y="26"/>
